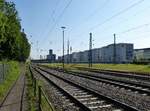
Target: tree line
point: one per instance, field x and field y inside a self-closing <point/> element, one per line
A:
<point x="14" y="44"/>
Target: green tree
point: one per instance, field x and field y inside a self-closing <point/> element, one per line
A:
<point x="24" y="47"/>
<point x="13" y="42"/>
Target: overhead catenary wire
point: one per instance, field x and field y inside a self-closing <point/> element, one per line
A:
<point x="117" y="14"/>
<point x="134" y="28"/>
<point x="54" y="11"/>
<point x="99" y="9"/>
<point x="125" y="19"/>
<point x="59" y="17"/>
<point x="57" y="20"/>
<point x="51" y="17"/>
<point x="130" y="29"/>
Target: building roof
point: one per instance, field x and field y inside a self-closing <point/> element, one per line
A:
<point x="145" y="49"/>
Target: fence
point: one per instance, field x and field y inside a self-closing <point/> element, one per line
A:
<point x="44" y="103"/>
<point x="4" y="68"/>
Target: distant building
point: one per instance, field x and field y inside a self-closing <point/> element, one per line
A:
<point x="59" y="59"/>
<point x="124" y="54"/>
<point x="51" y="57"/>
<point x="142" y="55"/>
<point x="41" y="57"/>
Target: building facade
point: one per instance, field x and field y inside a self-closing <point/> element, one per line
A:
<point x="51" y="57"/>
<point x="124" y="54"/>
<point x="142" y="55"/>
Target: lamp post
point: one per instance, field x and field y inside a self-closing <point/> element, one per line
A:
<point x="63" y="28"/>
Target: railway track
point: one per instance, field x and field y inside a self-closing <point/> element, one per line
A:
<point x="134" y="75"/>
<point x="88" y="98"/>
<point x="138" y="88"/>
<point x="63" y="98"/>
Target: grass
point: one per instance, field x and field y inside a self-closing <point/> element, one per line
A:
<point x="31" y="98"/>
<point x="44" y="104"/>
<point x="116" y="67"/>
<point x="13" y="73"/>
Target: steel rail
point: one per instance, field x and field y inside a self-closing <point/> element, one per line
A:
<point x="95" y="92"/>
<point x="117" y="82"/>
<point x="142" y="76"/>
<point x="120" y="83"/>
<point x="74" y="100"/>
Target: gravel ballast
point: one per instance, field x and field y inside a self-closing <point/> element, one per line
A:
<point x="59" y="102"/>
<point x="142" y="102"/>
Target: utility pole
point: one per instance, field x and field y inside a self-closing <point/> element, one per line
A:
<point x="114" y="58"/>
<point x="68" y="56"/>
<point x="37" y="50"/>
<point x="63" y="32"/>
<point x="90" y="50"/>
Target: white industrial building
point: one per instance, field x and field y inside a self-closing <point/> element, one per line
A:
<point x="124" y="54"/>
<point x="142" y="55"/>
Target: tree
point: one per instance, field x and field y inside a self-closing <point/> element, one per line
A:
<point x="13" y="43"/>
<point x="24" y="47"/>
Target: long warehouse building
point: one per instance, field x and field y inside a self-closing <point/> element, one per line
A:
<point x="142" y="55"/>
<point x="124" y="54"/>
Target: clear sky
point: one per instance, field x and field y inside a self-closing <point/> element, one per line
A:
<point x="42" y="21"/>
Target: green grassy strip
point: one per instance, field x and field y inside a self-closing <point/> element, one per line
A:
<point x="44" y="104"/>
<point x="31" y="99"/>
<point x="13" y="73"/>
<point x="115" y="67"/>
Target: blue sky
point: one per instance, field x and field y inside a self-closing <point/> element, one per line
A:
<point x="42" y="20"/>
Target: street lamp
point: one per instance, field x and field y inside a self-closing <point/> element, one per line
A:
<point x="63" y="28"/>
